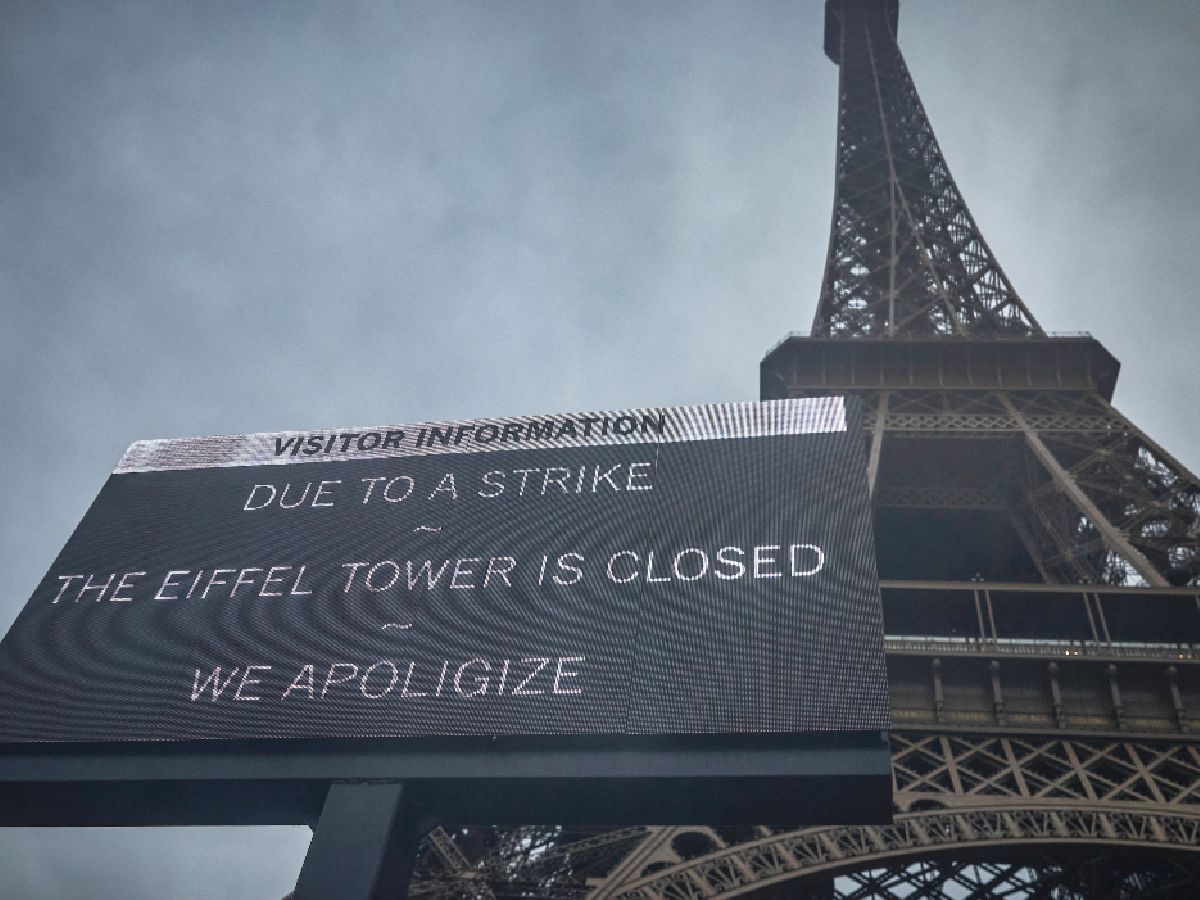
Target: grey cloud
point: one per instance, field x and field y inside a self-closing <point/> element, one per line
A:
<point x="226" y="217"/>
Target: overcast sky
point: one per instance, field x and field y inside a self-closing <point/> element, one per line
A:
<point x="224" y="217"/>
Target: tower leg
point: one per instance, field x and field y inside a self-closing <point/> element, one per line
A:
<point x="364" y="846"/>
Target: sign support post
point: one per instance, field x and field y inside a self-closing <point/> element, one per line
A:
<point x="364" y="846"/>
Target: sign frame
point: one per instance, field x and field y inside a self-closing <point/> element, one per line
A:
<point x="369" y="799"/>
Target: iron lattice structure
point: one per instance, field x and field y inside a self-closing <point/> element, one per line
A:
<point x="1041" y="565"/>
<point x="905" y="255"/>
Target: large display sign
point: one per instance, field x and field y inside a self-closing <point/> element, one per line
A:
<point x="692" y="570"/>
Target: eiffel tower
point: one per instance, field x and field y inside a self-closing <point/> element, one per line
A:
<point x="1040" y="558"/>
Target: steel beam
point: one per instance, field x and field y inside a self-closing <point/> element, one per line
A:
<point x="1113" y="537"/>
<point x="364" y="846"/>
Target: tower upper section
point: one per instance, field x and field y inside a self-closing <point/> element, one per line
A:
<point x="906" y="258"/>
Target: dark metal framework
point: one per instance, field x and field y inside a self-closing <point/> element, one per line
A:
<point x="905" y="255"/>
<point x="1041" y="557"/>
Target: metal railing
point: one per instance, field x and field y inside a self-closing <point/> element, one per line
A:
<point x="897" y="338"/>
<point x="1040" y="648"/>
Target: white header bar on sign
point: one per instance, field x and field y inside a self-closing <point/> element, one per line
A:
<point x="653" y="425"/>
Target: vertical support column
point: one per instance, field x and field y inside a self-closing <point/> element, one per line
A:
<point x="997" y="694"/>
<point x="364" y="846"/>
<point x="881" y="410"/>
<point x="1113" y="537"/>
<point x="983" y="635"/>
<point x="939" y="701"/>
<point x="1181" y="719"/>
<point x="1100" y="617"/>
<point x="991" y="614"/>
<point x="1056" y="695"/>
<point x="1087" y="606"/>
<point x="1114" y="691"/>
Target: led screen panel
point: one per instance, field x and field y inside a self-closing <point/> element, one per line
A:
<point x="664" y="571"/>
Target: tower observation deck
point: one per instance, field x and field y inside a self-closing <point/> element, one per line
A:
<point x="1040" y="558"/>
